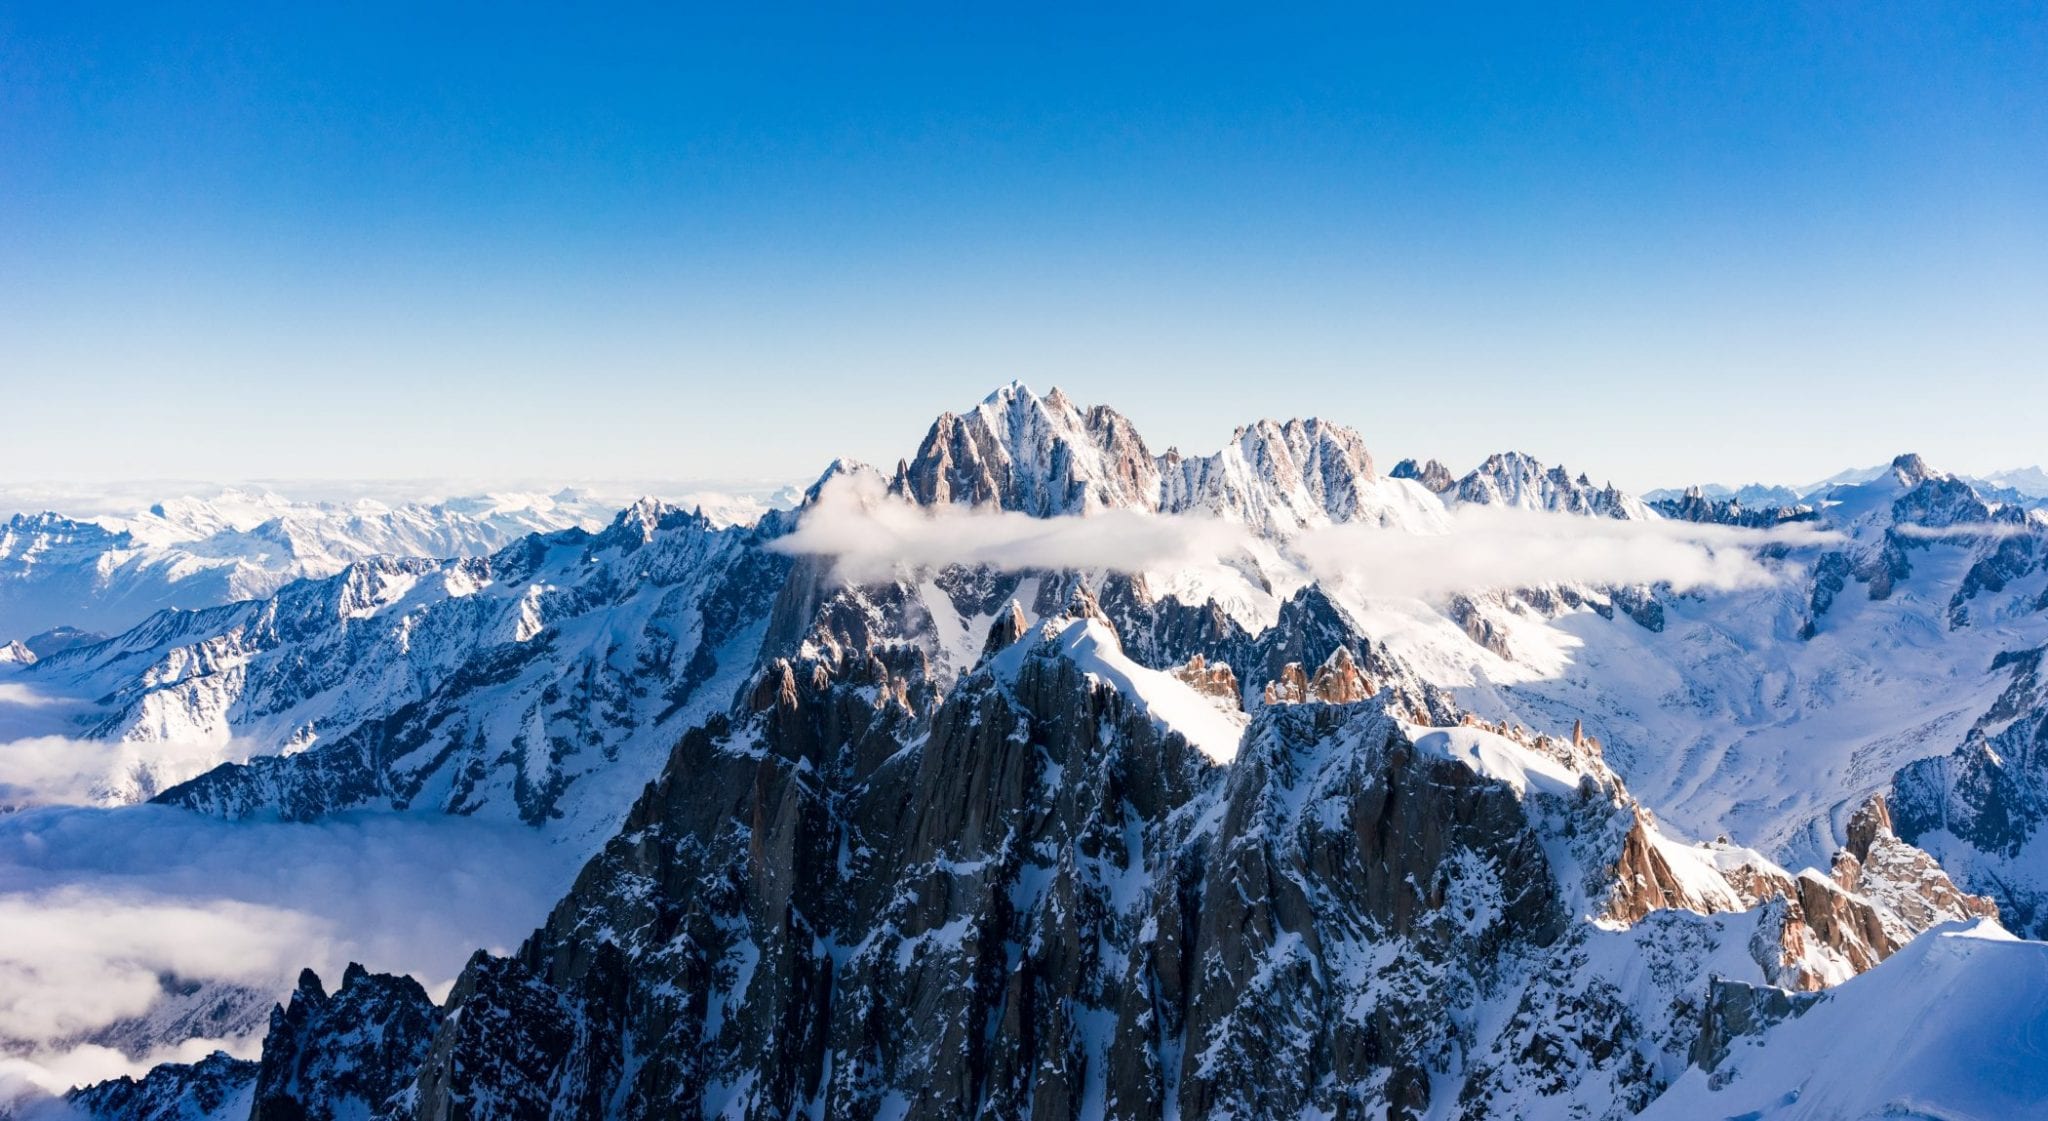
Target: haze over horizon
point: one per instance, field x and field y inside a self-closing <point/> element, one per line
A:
<point x="488" y="245"/>
<point x="88" y="496"/>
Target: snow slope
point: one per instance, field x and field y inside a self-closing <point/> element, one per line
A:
<point x="1952" y="1028"/>
<point x="1092" y="645"/>
<point x="1766" y="712"/>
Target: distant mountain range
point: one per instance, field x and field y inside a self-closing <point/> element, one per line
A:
<point x="1046" y="775"/>
<point x="2023" y="485"/>
<point x="107" y="571"/>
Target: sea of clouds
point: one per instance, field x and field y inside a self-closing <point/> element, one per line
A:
<point x="100" y="905"/>
<point x="869" y="535"/>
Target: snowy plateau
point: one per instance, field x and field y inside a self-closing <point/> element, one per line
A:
<point x="1036" y="775"/>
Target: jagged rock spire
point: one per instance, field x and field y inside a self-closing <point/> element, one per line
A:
<point x="1009" y="626"/>
<point x="1337" y="681"/>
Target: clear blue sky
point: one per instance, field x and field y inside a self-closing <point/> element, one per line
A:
<point x="1659" y="242"/>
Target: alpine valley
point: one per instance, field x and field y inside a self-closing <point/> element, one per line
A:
<point x="1041" y="775"/>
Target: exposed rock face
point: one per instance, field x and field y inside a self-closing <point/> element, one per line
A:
<point x="1037" y="902"/>
<point x="1909" y="889"/>
<point x="1434" y="476"/>
<point x="1048" y="456"/>
<point x="1214" y="681"/>
<point x="1881" y="894"/>
<point x="1007" y="629"/>
<point x="1735" y="1010"/>
<point x="218" y="1086"/>
<point x="342" y="1056"/>
<point x="1040" y="456"/>
<point x="1280" y="477"/>
<point x="1337" y="681"/>
<point x="1516" y="480"/>
<point x="1980" y="808"/>
<point x="1694" y="506"/>
<point x="1466" y="612"/>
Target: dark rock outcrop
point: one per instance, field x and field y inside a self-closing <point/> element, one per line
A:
<point x="218" y="1085"/>
<point x="346" y="1055"/>
<point x="1980" y="808"/>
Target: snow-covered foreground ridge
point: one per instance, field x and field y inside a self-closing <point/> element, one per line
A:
<point x="825" y="902"/>
<point x="1136" y="778"/>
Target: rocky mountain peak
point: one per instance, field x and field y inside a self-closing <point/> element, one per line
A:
<point x="1217" y="680"/>
<point x="639" y="522"/>
<point x="1433" y="475"/>
<point x="1520" y="481"/>
<point x="1009" y="626"/>
<point x="218" y="1085"/>
<point x="1337" y="681"/>
<point x="1039" y="456"/>
<point x="1911" y="469"/>
<point x="342" y="1056"/>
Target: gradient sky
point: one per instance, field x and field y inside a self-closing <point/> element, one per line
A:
<point x="1659" y="242"/>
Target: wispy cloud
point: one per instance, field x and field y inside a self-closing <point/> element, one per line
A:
<point x="65" y="771"/>
<point x="1495" y="547"/>
<point x="1978" y="530"/>
<point x="870" y="536"/>
<point x="97" y="904"/>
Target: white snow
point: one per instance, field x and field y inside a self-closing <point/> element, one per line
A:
<point x="1172" y="703"/>
<point x="1496" y="757"/>
<point x="1953" y="1027"/>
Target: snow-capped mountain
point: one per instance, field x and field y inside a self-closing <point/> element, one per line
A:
<point x="1519" y="482"/>
<point x="1060" y="884"/>
<point x="2031" y="482"/>
<point x="1047" y="456"/>
<point x="1224" y="802"/>
<point x="487" y="684"/>
<point x="108" y="573"/>
<point x="1752" y="495"/>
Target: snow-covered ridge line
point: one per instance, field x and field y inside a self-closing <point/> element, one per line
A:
<point x="1047" y="455"/>
<point x="106" y="571"/>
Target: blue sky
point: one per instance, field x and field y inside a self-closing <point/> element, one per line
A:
<point x="1657" y="242"/>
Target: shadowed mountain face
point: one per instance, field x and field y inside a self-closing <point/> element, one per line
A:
<point x="1057" y="842"/>
<point x="1044" y="900"/>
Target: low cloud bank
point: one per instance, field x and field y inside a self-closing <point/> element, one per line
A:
<point x="869" y="536"/>
<point x="1495" y="547"/>
<point x="1976" y="530"/>
<point x="96" y="905"/>
<point x="63" y="771"/>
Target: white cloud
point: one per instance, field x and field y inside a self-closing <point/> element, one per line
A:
<point x="29" y="1083"/>
<point x="14" y="693"/>
<point x="74" y="959"/>
<point x="95" y="904"/>
<point x="870" y="535"/>
<point x="1978" y="530"/>
<point x="63" y="771"/>
<point x="1494" y="547"/>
